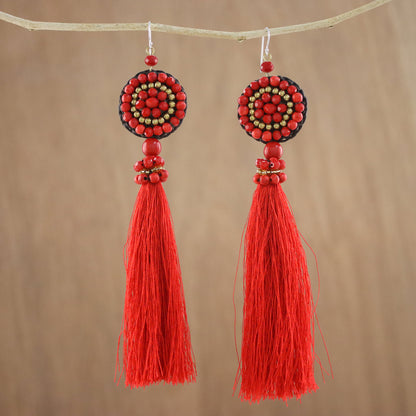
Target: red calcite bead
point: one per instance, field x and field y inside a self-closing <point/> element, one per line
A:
<point x="152" y="76"/>
<point x="180" y="114"/>
<point x="298" y="117"/>
<point x="148" y="162"/>
<point x="267" y="119"/>
<point x="151" y="147"/>
<point x="243" y="120"/>
<point x="156" y="113"/>
<point x="166" y="127"/>
<point x="270" y="108"/>
<point x="266" y="66"/>
<point x="162" y="77"/>
<point x="162" y="96"/>
<point x="140" y="104"/>
<point x="143" y="95"/>
<point x="138" y="166"/>
<point x="282" y="177"/>
<point x="281" y="108"/>
<point x="157" y="130"/>
<point x="170" y="81"/>
<point x="243" y="110"/>
<point x="242" y="100"/>
<point x="181" y="96"/>
<point x="256" y="133"/>
<point x="285" y="131"/>
<point x="135" y="82"/>
<point x="292" y="125"/>
<point x="264" y="180"/>
<point x="159" y="161"/>
<point x="266" y="136"/>
<point x="297" y="97"/>
<point x="163" y="106"/>
<point x="125" y="107"/>
<point x="274" y="81"/>
<point x="127" y="116"/>
<point x="266" y="97"/>
<point x="163" y="175"/>
<point x="129" y="89"/>
<point x="291" y="89"/>
<point x="258" y="113"/>
<point x="142" y="78"/>
<point x="255" y="85"/>
<point x="276" y="99"/>
<point x="150" y="60"/>
<point x="277" y="135"/>
<point x="175" y="121"/>
<point x="264" y="82"/>
<point x="140" y="129"/>
<point x="277" y="117"/>
<point x="283" y="85"/>
<point x="273" y="149"/>
<point x="148" y="132"/>
<point x="282" y="164"/>
<point x="264" y="164"/>
<point x="258" y="104"/>
<point x="154" y="177"/>
<point x="146" y="112"/>
<point x="274" y="163"/>
<point x="152" y="92"/>
<point x="299" y="107"/>
<point x="256" y="178"/>
<point x="176" y="88"/>
<point x="125" y="98"/>
<point x="248" y="92"/>
<point x="133" y="123"/>
<point x="152" y="102"/>
<point x="181" y="105"/>
<point x="274" y="179"/>
<point x="249" y="127"/>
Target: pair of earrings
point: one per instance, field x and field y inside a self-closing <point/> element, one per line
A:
<point x="277" y="355"/>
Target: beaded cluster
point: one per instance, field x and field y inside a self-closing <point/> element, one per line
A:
<point x="152" y="104"/>
<point x="150" y="170"/>
<point x="272" y="108"/>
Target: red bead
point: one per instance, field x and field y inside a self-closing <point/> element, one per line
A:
<point x="146" y="112"/>
<point x="274" y="179"/>
<point x="282" y="177"/>
<point x="175" y="121"/>
<point x="298" y="117"/>
<point x="133" y="123"/>
<point x="273" y="149"/>
<point x="248" y="92"/>
<point x="181" y="96"/>
<point x="162" y="96"/>
<point x="148" y="132"/>
<point x="264" y="82"/>
<point x="258" y="162"/>
<point x="256" y="178"/>
<point x="154" y="177"/>
<point x="258" y="113"/>
<point x="152" y="102"/>
<point x="135" y="82"/>
<point x="264" y="180"/>
<point x="274" y="163"/>
<point x="129" y="89"/>
<point x="243" y="110"/>
<point x="163" y="175"/>
<point x="291" y="89"/>
<point x="297" y="97"/>
<point x="156" y="113"/>
<point x="159" y="161"/>
<point x="181" y="105"/>
<point x="127" y="116"/>
<point x="152" y="76"/>
<point x="258" y="104"/>
<point x="292" y="124"/>
<point x="299" y="108"/>
<point x="166" y="127"/>
<point x="151" y="147"/>
<point x="282" y="164"/>
<point x="256" y="133"/>
<point x="266" y="97"/>
<point x="283" y="85"/>
<point x="267" y="119"/>
<point x="266" y="67"/>
<point x="277" y="117"/>
<point x="138" y="166"/>
<point x="143" y="95"/>
<point x="161" y="76"/>
<point x="249" y="127"/>
<point x="142" y="78"/>
<point x="140" y="129"/>
<point x="163" y="106"/>
<point x="270" y="108"/>
<point x="274" y="81"/>
<point x="242" y="100"/>
<point x="176" y="88"/>
<point x="140" y="104"/>
<point x="281" y="108"/>
<point x="276" y="99"/>
<point x="148" y="162"/>
<point x="266" y="136"/>
<point x="180" y="114"/>
<point x="285" y="131"/>
<point x="125" y="98"/>
<point x="277" y="135"/>
<point x="243" y="120"/>
<point x="138" y="179"/>
<point x="125" y="107"/>
<point x="152" y="92"/>
<point x="255" y="85"/>
<point x="170" y="81"/>
<point x="150" y="60"/>
<point x="157" y="130"/>
<point x="264" y="164"/>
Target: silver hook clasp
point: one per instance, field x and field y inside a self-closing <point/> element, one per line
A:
<point x="265" y="53"/>
<point x="150" y="49"/>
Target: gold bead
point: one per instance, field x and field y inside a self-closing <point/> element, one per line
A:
<point x="262" y="125"/>
<point x="161" y="120"/>
<point x="133" y="109"/>
<point x="276" y="126"/>
<point x="151" y="85"/>
<point x="252" y="118"/>
<point x="283" y="123"/>
<point x="157" y="84"/>
<point x="281" y="93"/>
<point x="252" y="98"/>
<point x="289" y="111"/>
<point x="136" y="114"/>
<point x="141" y="120"/>
<point x="171" y="111"/>
<point x="133" y="102"/>
<point x="268" y="126"/>
<point x="256" y="94"/>
<point x="251" y="111"/>
<point x="137" y="90"/>
<point x="168" y="91"/>
<point x="148" y="121"/>
<point x="155" y="121"/>
<point x="171" y="96"/>
<point x="250" y="105"/>
<point x="290" y="104"/>
<point x="268" y="89"/>
<point x="166" y="116"/>
<point x="285" y="117"/>
<point x="144" y="87"/>
<point x="256" y="122"/>
<point x="286" y="97"/>
<point x="171" y="104"/>
<point x="261" y="90"/>
<point x="163" y="87"/>
<point x="134" y="95"/>
<point x="275" y="90"/>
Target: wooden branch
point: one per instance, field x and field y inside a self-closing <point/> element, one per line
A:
<point x="187" y="31"/>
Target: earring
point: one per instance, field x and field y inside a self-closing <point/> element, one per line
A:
<point x="155" y="333"/>
<point x="277" y="353"/>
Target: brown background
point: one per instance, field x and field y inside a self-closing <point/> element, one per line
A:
<point x="67" y="192"/>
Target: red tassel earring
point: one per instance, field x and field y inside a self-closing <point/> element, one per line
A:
<point x="156" y="337"/>
<point x="277" y="354"/>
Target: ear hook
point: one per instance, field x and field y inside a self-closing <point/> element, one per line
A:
<point x="265" y="50"/>
<point x="150" y="50"/>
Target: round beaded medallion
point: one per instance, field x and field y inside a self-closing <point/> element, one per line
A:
<point x="272" y="109"/>
<point x="152" y="104"/>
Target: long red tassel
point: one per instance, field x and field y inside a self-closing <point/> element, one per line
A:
<point x="157" y="343"/>
<point x="277" y="354"/>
